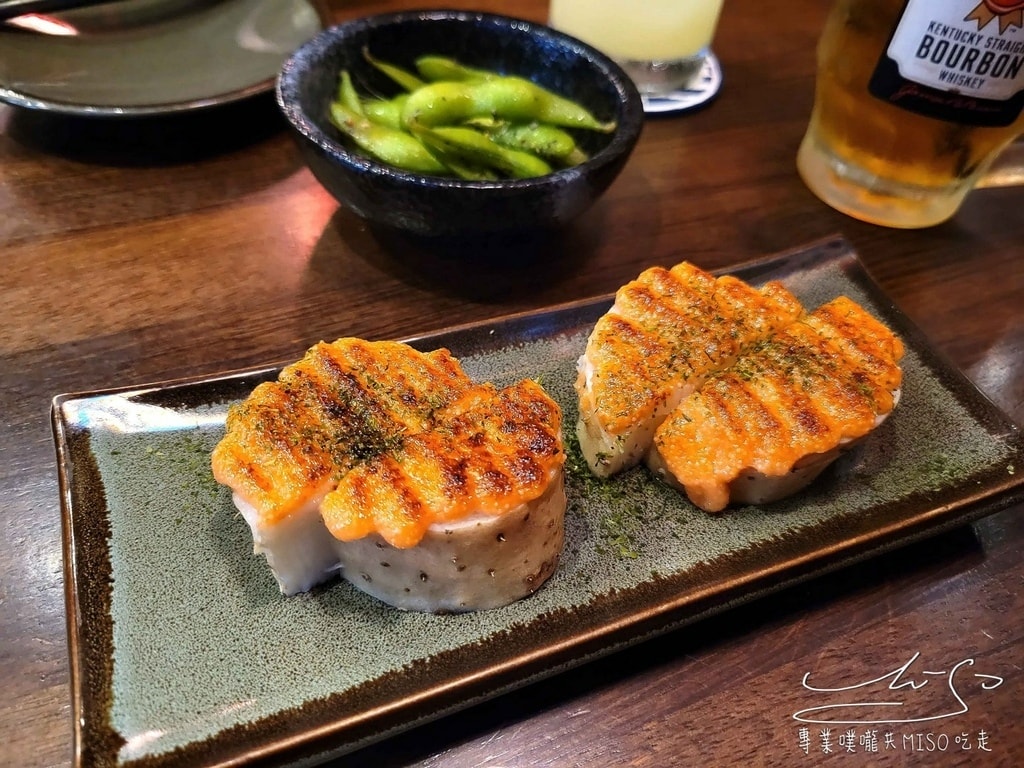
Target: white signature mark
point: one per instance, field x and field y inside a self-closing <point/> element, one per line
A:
<point x="900" y="679"/>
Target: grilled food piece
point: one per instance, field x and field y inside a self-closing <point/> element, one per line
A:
<point x="466" y="516"/>
<point x="666" y="332"/>
<point x="768" y="425"/>
<point x="290" y="442"/>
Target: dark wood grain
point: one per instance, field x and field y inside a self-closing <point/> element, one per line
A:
<point x="158" y="249"/>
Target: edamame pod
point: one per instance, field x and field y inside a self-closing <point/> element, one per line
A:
<point x="478" y="149"/>
<point x="396" y="148"/>
<point x="387" y="112"/>
<point x="547" y="141"/>
<point x="508" y="98"/>
<point x="437" y="68"/>
<point x="463" y="168"/>
<point x="347" y="94"/>
<point x="407" y="80"/>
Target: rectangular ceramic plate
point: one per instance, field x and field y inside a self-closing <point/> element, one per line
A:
<point x="183" y="653"/>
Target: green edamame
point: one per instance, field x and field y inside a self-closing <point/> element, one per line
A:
<point x="509" y="98"/>
<point x="397" y="148"/>
<point x="347" y="93"/>
<point x="404" y="78"/>
<point x="478" y="149"/>
<point x="437" y="68"/>
<point x="462" y="167"/>
<point x="547" y="141"/>
<point x="462" y="121"/>
<point x="387" y="112"/>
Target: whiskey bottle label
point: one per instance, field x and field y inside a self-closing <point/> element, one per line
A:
<point x="956" y="60"/>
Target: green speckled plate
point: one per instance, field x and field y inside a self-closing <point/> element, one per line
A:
<point x="183" y="653"/>
<point x="151" y="57"/>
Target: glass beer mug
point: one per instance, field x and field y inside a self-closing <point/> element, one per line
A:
<point x="914" y="100"/>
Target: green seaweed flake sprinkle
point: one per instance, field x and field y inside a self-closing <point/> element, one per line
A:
<point x="618" y="522"/>
<point x="188" y="457"/>
<point x="615" y="537"/>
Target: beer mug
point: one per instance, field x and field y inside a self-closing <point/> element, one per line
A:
<point x="914" y="100"/>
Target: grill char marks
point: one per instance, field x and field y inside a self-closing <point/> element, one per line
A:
<point x="647" y="343"/>
<point x="449" y="495"/>
<point x="493" y="451"/>
<point x="340" y="405"/>
<point x="811" y="389"/>
<point x="666" y="332"/>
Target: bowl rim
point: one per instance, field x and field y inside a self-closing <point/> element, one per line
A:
<point x="623" y="138"/>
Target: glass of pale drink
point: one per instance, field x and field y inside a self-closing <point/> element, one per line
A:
<point x="662" y="44"/>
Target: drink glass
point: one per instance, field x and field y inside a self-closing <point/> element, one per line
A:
<point x="913" y="103"/>
<point x="661" y="44"/>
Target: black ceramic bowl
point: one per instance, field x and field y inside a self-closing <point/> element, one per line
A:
<point x="438" y="206"/>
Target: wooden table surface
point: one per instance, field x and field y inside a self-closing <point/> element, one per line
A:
<point x="148" y="251"/>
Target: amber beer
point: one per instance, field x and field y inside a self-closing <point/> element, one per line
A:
<point x="914" y="99"/>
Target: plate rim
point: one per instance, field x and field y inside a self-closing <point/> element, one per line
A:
<point x="346" y="732"/>
<point x="26" y="100"/>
